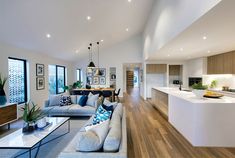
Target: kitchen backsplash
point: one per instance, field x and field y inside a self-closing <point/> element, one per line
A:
<point x="222" y="80"/>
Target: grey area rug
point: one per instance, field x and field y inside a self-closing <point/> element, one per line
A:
<point x="53" y="148"/>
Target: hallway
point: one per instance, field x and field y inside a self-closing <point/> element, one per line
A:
<point x="151" y="136"/>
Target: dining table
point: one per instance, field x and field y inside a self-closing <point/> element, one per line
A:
<point x="81" y="91"/>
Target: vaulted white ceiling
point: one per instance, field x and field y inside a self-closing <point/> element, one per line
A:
<point x="25" y="23"/>
<point x="213" y="33"/>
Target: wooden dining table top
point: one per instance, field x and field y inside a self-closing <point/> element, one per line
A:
<point x="95" y="89"/>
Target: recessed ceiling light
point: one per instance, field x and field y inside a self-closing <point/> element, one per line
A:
<point x="129" y="1"/>
<point x="76" y="51"/>
<point x="181" y="49"/>
<point x="204" y="37"/>
<point x="127" y="29"/>
<point x="101" y="40"/>
<point x="208" y="51"/>
<point x="48" y="35"/>
<point x="88" y="18"/>
<point x="168" y="55"/>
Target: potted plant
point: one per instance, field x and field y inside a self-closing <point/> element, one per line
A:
<point x="3" y="98"/>
<point x="199" y="89"/>
<point x="30" y="116"/>
<point x="213" y="84"/>
<point x="75" y="85"/>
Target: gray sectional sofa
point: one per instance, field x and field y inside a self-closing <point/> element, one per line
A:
<point x="70" y="110"/>
<point x="71" y="151"/>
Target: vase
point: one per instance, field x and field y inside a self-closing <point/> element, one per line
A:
<point x="3" y="98"/>
<point x="199" y="93"/>
<point x="28" y="127"/>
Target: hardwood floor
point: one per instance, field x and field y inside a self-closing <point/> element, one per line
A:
<point x="151" y="136"/>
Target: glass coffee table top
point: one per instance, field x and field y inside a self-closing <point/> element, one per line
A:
<point x="19" y="140"/>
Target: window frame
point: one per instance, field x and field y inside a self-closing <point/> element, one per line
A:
<point x="25" y="78"/>
<point x="56" y="74"/>
<point x="80" y="75"/>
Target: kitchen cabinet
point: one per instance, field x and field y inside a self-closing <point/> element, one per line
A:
<point x="156" y="68"/>
<point x="221" y="63"/>
<point x="160" y="102"/>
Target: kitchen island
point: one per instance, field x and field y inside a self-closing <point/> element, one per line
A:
<point x="203" y="122"/>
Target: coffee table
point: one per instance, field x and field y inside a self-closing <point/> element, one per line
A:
<point x="18" y="140"/>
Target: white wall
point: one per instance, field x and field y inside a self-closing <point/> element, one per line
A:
<point x="196" y="67"/>
<point x="169" y="18"/>
<point x="37" y="96"/>
<point x="128" y="51"/>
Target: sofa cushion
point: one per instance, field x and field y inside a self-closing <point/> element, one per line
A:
<point x="60" y="109"/>
<point x="73" y="99"/>
<point x="78" y="98"/>
<point x="81" y="110"/>
<point x="108" y="103"/>
<point x="54" y="100"/>
<point x="118" y="110"/>
<point x="113" y="139"/>
<point x="83" y="100"/>
<point x="65" y="100"/>
<point x="93" y="139"/>
<point x="101" y="115"/>
<point x="92" y="99"/>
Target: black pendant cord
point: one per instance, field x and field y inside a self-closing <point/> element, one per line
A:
<point x="91" y="51"/>
<point x="98" y="54"/>
<point x="89" y="54"/>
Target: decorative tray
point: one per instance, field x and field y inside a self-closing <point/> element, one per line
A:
<point x="213" y="95"/>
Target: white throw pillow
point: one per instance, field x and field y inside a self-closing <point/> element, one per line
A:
<point x="54" y="100"/>
<point x="78" y="98"/>
<point x="93" y="139"/>
<point x="108" y="103"/>
<point x="92" y="99"/>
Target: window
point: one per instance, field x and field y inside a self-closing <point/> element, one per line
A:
<point x="79" y="75"/>
<point x="56" y="79"/>
<point x="17" y="80"/>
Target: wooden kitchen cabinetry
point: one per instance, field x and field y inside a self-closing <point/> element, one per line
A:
<point x="174" y="70"/>
<point x="156" y="68"/>
<point x="221" y="64"/>
<point x="160" y="101"/>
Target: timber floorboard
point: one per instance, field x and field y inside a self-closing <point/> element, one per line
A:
<point x="151" y="136"/>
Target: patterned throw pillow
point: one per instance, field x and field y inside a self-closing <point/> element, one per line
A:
<point x="65" y="100"/>
<point x="101" y="115"/>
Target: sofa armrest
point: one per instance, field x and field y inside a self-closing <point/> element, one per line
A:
<point x="46" y="104"/>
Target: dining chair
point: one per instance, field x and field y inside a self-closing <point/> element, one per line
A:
<point x="107" y="94"/>
<point x="117" y="94"/>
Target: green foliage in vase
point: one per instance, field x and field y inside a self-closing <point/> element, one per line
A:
<point x="31" y="114"/>
<point x="75" y="85"/>
<point x="199" y="86"/>
<point x="3" y="81"/>
<point x="213" y="84"/>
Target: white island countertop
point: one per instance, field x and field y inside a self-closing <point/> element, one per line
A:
<point x="189" y="96"/>
<point x="203" y="122"/>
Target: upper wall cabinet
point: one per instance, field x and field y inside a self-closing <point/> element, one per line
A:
<point x="221" y="64"/>
<point x="156" y="68"/>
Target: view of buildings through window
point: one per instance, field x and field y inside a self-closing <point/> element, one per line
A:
<point x="79" y="75"/>
<point x="56" y="79"/>
<point x="17" y="80"/>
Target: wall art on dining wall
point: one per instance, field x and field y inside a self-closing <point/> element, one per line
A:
<point x="39" y="69"/>
<point x="95" y="80"/>
<point x="40" y="83"/>
<point x="112" y="77"/>
<point x="102" y="80"/>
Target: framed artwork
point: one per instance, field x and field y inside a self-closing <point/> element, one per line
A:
<point x="112" y="74"/>
<point x="95" y="80"/>
<point x="40" y="83"/>
<point x="89" y="72"/>
<point x="39" y="69"/>
<point x="102" y="81"/>
<point x="103" y="72"/>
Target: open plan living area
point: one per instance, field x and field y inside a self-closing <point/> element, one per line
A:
<point x="117" y="79"/>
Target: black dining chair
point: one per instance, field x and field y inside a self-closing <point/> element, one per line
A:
<point x="117" y="94"/>
<point x="85" y="92"/>
<point x="97" y="92"/>
<point x="107" y="94"/>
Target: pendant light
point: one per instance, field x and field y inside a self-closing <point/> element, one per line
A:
<point x="98" y="72"/>
<point x="91" y="64"/>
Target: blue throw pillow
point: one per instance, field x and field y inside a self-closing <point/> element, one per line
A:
<point x="83" y="100"/>
<point x="101" y="115"/>
<point x="108" y="108"/>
